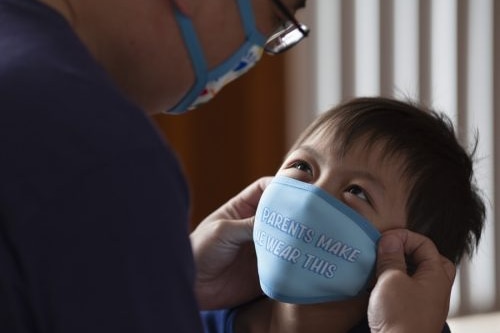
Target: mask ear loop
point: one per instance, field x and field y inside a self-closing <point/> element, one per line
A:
<point x="196" y="54"/>
<point x="195" y="51"/>
<point x="248" y="21"/>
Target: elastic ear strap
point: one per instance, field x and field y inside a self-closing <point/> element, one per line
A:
<point x="248" y="20"/>
<point x="197" y="59"/>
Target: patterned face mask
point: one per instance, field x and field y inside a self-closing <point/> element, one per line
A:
<point x="311" y="247"/>
<point x="209" y="82"/>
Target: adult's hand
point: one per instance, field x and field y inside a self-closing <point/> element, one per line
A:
<point x="224" y="253"/>
<point x="400" y="303"/>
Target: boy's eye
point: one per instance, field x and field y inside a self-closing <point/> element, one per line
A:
<point x="358" y="191"/>
<point x="302" y="166"/>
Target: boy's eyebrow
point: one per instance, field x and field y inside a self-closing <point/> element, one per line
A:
<point x="310" y="150"/>
<point x="370" y="177"/>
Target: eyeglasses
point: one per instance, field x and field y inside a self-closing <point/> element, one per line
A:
<point x="288" y="35"/>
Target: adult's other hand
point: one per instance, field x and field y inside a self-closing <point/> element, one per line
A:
<point x="400" y="303"/>
<point x="224" y="253"/>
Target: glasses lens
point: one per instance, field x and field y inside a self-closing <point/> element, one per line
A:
<point x="285" y="38"/>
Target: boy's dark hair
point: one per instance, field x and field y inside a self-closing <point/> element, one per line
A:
<point x="443" y="203"/>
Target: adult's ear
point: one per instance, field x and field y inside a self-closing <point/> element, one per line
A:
<point x="186" y="7"/>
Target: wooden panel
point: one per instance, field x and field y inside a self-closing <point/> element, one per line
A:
<point x="231" y="141"/>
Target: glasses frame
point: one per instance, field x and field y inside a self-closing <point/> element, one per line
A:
<point x="291" y="26"/>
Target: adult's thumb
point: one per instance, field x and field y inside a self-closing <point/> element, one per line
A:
<point x="390" y="254"/>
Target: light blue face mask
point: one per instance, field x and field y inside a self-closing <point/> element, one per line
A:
<point x="209" y="82"/>
<point x="311" y="248"/>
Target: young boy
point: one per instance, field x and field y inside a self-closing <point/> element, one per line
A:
<point x="396" y="165"/>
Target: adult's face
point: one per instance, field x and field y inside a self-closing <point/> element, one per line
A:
<point x="140" y="45"/>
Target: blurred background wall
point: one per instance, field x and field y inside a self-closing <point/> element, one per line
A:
<point x="445" y="53"/>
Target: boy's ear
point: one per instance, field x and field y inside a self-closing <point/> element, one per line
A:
<point x="184" y="6"/>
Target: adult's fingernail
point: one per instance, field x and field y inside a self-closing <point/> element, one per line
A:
<point x="389" y="244"/>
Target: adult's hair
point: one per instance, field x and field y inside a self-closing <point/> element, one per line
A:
<point x="443" y="203"/>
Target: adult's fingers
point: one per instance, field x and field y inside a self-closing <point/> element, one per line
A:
<point x="449" y="268"/>
<point x="416" y="302"/>
<point x="235" y="232"/>
<point x="232" y="223"/>
<point x="391" y="254"/>
<point x="244" y="204"/>
<point x="396" y="245"/>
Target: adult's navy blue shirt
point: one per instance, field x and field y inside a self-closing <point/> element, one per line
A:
<point x="93" y="204"/>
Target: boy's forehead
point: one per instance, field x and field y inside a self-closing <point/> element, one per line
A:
<point x="333" y="140"/>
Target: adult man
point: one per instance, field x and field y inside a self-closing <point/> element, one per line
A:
<point x="93" y="203"/>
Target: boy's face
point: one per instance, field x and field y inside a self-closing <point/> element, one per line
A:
<point x="362" y="179"/>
